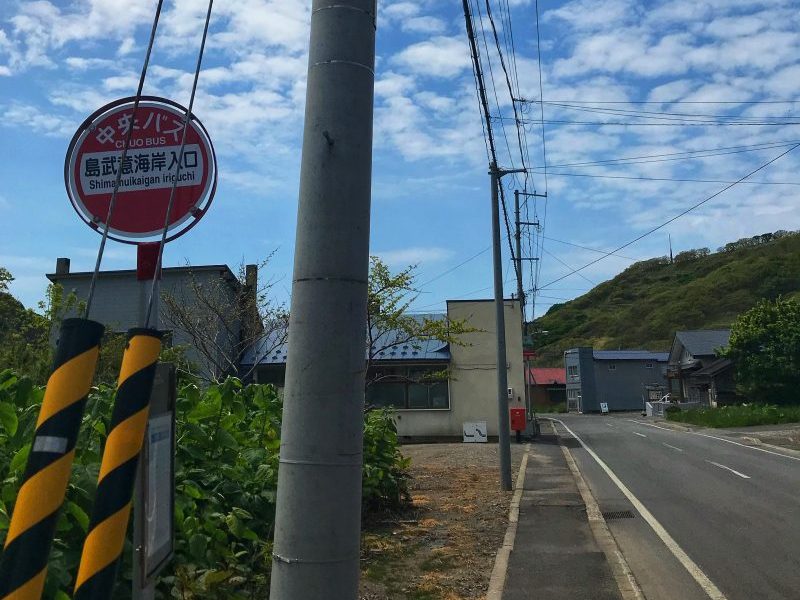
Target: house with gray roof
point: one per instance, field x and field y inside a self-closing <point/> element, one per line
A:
<point x="700" y="373"/>
<point x="619" y="379"/>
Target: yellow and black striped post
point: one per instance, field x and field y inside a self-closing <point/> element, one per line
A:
<point x="112" y="503"/>
<point x="23" y="565"/>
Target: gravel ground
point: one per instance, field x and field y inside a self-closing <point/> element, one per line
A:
<point x="443" y="546"/>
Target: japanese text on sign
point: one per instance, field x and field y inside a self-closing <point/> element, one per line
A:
<point x="147" y="168"/>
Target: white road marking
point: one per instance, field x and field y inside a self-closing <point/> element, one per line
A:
<point x="694" y="570"/>
<point x="639" y="434"/>
<point x="735" y="472"/>
<point x="609" y="424"/>
<point x="714" y="437"/>
<point x="673" y="447"/>
<point x="649" y="425"/>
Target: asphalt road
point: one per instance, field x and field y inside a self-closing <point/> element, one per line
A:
<point x="732" y="513"/>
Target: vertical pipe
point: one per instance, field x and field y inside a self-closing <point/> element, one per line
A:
<point x="503" y="427"/>
<point x="318" y="518"/>
<point x="23" y="565"/>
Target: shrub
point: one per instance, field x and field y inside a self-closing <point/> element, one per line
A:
<point x="385" y="479"/>
<point x="743" y="415"/>
<point x="228" y="438"/>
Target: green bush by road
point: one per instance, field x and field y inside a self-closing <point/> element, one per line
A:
<point x="228" y="437"/>
<point x="737" y="416"/>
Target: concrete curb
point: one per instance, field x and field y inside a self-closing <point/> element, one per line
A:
<point x="498" y="579"/>
<point x="626" y="582"/>
<point x="758" y="443"/>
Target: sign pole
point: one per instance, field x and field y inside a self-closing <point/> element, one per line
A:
<point x="146" y="258"/>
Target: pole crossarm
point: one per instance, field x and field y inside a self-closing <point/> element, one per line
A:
<point x="499" y="172"/>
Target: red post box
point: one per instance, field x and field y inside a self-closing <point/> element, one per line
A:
<point x="518" y="419"/>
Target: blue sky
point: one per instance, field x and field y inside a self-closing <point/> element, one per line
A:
<point x="59" y="61"/>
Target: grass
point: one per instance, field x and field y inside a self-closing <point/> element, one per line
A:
<point x="742" y="415"/>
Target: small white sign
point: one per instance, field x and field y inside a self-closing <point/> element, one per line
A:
<point x="159" y="484"/>
<point x="475" y="432"/>
<point x="603" y="407"/>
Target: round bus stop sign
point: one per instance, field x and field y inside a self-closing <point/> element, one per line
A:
<point x="148" y="173"/>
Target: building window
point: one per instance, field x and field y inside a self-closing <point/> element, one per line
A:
<point x="648" y="365"/>
<point x="612" y="367"/>
<point x="572" y="371"/>
<point x="408" y="388"/>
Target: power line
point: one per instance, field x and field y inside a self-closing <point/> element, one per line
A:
<point x="664" y="115"/>
<point x="594" y="283"/>
<point x="662" y="102"/>
<point x="678" y="216"/>
<point x="677" y="179"/>
<point x="508" y="84"/>
<point x="591" y="249"/>
<point x="674" y="156"/>
<point x="458" y="266"/>
<point x="670" y="124"/>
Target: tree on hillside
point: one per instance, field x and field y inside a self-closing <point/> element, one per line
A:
<point x="25" y="342"/>
<point x="390" y="326"/>
<point x="765" y="349"/>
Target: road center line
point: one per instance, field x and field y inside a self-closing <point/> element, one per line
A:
<point x="639" y="434"/>
<point x="694" y="570"/>
<point x="735" y="472"/>
<point x="714" y="437"/>
<point x="673" y="447"/>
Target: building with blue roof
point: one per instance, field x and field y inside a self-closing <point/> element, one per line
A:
<point x="619" y="379"/>
<point x="435" y="389"/>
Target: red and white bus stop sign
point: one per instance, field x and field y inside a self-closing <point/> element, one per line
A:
<point x="148" y="172"/>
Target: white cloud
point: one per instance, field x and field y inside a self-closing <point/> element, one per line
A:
<point x="439" y="56"/>
<point x="79" y="63"/>
<point x="30" y="117"/>
<point x="424" y="25"/>
<point x="393" y="84"/>
<point x="414" y="255"/>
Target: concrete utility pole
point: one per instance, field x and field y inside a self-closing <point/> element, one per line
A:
<point x="503" y="427"/>
<point x="318" y="520"/>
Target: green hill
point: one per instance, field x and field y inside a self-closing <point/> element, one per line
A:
<point x="643" y="306"/>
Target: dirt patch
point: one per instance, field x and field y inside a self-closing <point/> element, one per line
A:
<point x="789" y="438"/>
<point x="443" y="546"/>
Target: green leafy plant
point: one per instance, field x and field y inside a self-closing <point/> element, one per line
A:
<point x="385" y="478"/>
<point x="765" y="349"/>
<point x="228" y="440"/>
<point x="737" y="416"/>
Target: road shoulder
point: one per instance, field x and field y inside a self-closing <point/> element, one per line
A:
<point x="556" y="553"/>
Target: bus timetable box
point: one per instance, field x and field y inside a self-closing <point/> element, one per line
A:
<point x="154" y="499"/>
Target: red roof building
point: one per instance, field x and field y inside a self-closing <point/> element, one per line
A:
<point x="547" y="387"/>
<point x="547" y="376"/>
